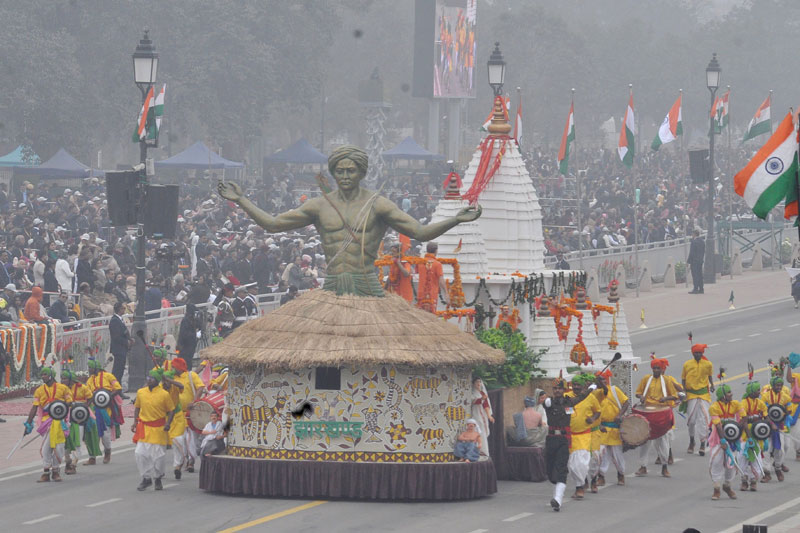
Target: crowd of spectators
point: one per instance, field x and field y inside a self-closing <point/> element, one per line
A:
<point x="60" y="239"/>
<point x="670" y="204"/>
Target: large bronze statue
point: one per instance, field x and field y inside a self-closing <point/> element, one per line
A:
<point x="351" y="222"/>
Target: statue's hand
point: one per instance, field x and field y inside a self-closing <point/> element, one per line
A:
<point x="229" y="190"/>
<point x="468" y="214"/>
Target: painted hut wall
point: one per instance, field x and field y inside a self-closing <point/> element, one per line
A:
<point x="407" y="414"/>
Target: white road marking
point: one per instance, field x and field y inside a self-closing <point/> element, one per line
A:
<point x="792" y="325"/>
<point x="479" y="531"/>
<point x="787" y="526"/>
<point x="712" y="345"/>
<point x="168" y="485"/>
<point x="734" y="340"/>
<point x="98" y="504"/>
<point x="759" y="517"/>
<point x="754" y="335"/>
<point x="15" y="476"/>
<point x="668" y="356"/>
<point x="774" y="330"/>
<point x="42" y="519"/>
<point x="517" y="517"/>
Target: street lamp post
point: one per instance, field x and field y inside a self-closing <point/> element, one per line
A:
<point x="145" y="67"/>
<point x="497" y="70"/>
<point x="713" y="72"/>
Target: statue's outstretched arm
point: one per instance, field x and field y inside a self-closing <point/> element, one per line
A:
<point x="401" y="222"/>
<point x="292" y="219"/>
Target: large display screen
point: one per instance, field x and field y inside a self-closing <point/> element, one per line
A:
<point x="454" y="50"/>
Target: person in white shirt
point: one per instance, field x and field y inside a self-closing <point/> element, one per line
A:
<point x="38" y="270"/>
<point x="214" y="437"/>
<point x="64" y="274"/>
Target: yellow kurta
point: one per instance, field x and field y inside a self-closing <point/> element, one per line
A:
<point x="80" y="393"/>
<point x="696" y="374"/>
<point x="581" y="431"/>
<point x="720" y="410"/>
<point x="44" y="396"/>
<point x="609" y="411"/>
<point x="187" y="395"/>
<point x="178" y="425"/>
<point x="154" y="405"/>
<point x="770" y="397"/>
<point x="103" y="380"/>
<point x="221" y="382"/>
<point x="655" y="392"/>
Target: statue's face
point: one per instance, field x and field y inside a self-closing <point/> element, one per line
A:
<point x="347" y="175"/>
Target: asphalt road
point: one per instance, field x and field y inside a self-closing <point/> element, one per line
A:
<point x="104" y="497"/>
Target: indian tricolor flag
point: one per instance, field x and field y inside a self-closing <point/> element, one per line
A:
<point x="566" y="141"/>
<point x="507" y="102"/>
<point x="761" y="122"/>
<point x="720" y="112"/>
<point x="627" y="130"/>
<point x="149" y="122"/>
<point x="770" y="177"/>
<point x="671" y="127"/>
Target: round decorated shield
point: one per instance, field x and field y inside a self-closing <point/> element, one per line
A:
<point x="776" y="412"/>
<point x="58" y="410"/>
<point x="761" y="430"/>
<point x="731" y="430"/>
<point x="79" y="413"/>
<point x="101" y="398"/>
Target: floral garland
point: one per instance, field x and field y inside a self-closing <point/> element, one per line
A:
<point x="22" y="351"/>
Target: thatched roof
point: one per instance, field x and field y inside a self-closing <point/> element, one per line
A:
<point x="319" y="328"/>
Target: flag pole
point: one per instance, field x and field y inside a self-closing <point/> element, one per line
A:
<point x="635" y="203"/>
<point x="796" y="174"/>
<point x="730" y="191"/>
<point x="681" y="110"/>
<point x="578" y="184"/>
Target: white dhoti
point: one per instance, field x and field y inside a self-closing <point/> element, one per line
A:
<point x="697" y="419"/>
<point x="106" y="440"/>
<point x="751" y="470"/>
<point x="578" y="466"/>
<point x="661" y="445"/>
<point x="721" y="468"/>
<point x="779" y="452"/>
<point x="595" y="459"/>
<point x="609" y="455"/>
<point x="190" y="444"/>
<point x="51" y="457"/>
<point x="179" y="451"/>
<point x="150" y="459"/>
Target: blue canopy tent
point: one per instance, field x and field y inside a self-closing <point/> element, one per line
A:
<point x="301" y="152"/>
<point x="17" y="159"/>
<point x="199" y="157"/>
<point x="409" y="149"/>
<point x="61" y="165"/>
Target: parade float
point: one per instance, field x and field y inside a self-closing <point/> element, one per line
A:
<point x="347" y="392"/>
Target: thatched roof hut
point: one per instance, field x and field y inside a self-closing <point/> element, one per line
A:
<point x="320" y="328"/>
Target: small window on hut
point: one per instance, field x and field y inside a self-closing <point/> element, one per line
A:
<point x="328" y="378"/>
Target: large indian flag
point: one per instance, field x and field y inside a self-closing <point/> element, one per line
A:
<point x="761" y="122"/>
<point x="566" y="141"/>
<point x="770" y="176"/>
<point x="627" y="130"/>
<point x="671" y="127"/>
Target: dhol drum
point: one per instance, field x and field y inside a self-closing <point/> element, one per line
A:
<point x="199" y="413"/>
<point x="659" y="417"/>
<point x="79" y="413"/>
<point x="634" y="430"/>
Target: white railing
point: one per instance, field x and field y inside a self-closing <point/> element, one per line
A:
<point x="77" y="341"/>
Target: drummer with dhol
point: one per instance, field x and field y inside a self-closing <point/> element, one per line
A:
<point x="656" y="393"/>
<point x="723" y="452"/>
<point x="193" y="389"/>
<point x="614" y="404"/>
